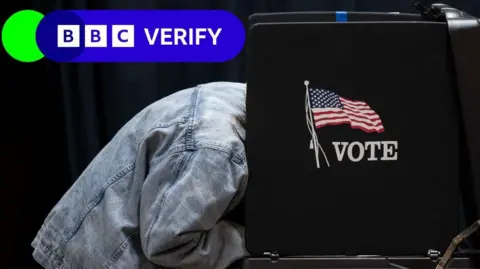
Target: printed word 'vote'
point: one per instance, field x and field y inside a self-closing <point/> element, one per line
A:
<point x="370" y="150"/>
<point x="123" y="36"/>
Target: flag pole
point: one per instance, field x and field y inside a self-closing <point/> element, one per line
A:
<point x="312" y="129"/>
<point x="310" y="125"/>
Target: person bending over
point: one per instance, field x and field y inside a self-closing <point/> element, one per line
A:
<point x="155" y="196"/>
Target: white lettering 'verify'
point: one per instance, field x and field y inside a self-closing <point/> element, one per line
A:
<point x="151" y="40"/>
<point x="214" y="35"/>
<point x="356" y="150"/>
<point x="180" y="36"/>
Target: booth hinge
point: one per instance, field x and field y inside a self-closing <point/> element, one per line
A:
<point x="272" y="255"/>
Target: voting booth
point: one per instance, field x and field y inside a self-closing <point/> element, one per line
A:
<point x="362" y="127"/>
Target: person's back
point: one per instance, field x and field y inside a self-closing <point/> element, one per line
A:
<point x="154" y="196"/>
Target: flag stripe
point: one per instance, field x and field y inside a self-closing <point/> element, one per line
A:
<point x="356" y="108"/>
<point x="359" y="110"/>
<point x="380" y="130"/>
<point x="352" y="125"/>
<point x="369" y="114"/>
<point x="336" y="115"/>
<point x="351" y="118"/>
<point x="340" y="112"/>
<point x="353" y="102"/>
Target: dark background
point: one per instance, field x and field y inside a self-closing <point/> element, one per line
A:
<point x="55" y="118"/>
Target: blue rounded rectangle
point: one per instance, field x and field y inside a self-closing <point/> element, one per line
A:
<point x="140" y="36"/>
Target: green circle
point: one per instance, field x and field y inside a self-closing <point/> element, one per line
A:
<point x="19" y="36"/>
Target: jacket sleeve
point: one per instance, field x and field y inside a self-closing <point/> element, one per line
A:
<point x="180" y="225"/>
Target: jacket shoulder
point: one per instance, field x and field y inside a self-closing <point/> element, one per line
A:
<point x="220" y="114"/>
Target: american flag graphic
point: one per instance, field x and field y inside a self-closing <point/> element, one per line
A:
<point x="328" y="108"/>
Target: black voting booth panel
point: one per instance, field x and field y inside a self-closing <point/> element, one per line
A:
<point x="355" y="206"/>
<point x="406" y="71"/>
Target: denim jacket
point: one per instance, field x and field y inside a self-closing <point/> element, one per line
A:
<point x="155" y="195"/>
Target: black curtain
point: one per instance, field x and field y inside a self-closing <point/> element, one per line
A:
<point x="58" y="116"/>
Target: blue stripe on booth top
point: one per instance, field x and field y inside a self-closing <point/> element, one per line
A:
<point x="341" y="16"/>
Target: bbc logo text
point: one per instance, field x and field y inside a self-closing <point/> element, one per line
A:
<point x="122" y="36"/>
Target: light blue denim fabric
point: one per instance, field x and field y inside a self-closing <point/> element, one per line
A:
<point x="154" y="196"/>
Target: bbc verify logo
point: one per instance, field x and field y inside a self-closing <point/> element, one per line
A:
<point x="96" y="36"/>
<point x="110" y="36"/>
